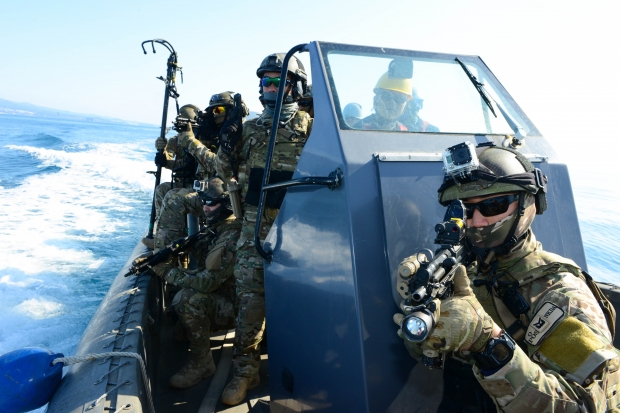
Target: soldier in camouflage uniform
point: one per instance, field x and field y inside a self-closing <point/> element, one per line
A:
<point x="563" y="359"/>
<point x="171" y="221"/>
<point x="170" y="156"/>
<point x="249" y="153"/>
<point x="206" y="302"/>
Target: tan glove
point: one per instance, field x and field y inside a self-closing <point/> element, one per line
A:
<point x="463" y="325"/>
<point x="160" y="143"/>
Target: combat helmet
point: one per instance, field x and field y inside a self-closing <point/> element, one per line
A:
<point x="498" y="170"/>
<point x="213" y="192"/>
<point x="222" y="99"/>
<point x="273" y="63"/>
<point x="189" y="111"/>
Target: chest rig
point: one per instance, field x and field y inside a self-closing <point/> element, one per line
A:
<point x="290" y="141"/>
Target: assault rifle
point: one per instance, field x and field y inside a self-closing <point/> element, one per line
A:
<point x="181" y="124"/>
<point x="172" y="250"/>
<point x="434" y="277"/>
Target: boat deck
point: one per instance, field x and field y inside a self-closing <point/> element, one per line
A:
<point x="205" y="396"/>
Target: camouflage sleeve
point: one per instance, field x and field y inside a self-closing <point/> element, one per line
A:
<point x="223" y="166"/>
<point x="203" y="155"/>
<point x="219" y="266"/>
<point x="572" y="365"/>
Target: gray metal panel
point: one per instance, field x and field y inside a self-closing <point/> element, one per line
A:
<point x="313" y="321"/>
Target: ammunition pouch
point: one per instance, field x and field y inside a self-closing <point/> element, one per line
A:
<point x="255" y="183"/>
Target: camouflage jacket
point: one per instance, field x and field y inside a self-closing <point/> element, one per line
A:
<point x="201" y="152"/>
<point x="218" y="268"/>
<point x="570" y="364"/>
<point x="250" y="152"/>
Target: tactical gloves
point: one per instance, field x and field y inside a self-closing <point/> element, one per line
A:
<point x="233" y="127"/>
<point x="461" y="325"/>
<point x="160" y="143"/>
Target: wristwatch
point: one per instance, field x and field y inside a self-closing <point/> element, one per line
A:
<point x="497" y="353"/>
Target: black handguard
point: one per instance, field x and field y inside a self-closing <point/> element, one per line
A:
<point x="172" y="250"/>
<point x="160" y="159"/>
<point x="233" y="127"/>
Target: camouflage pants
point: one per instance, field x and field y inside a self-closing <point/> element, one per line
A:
<point x="160" y="193"/>
<point x="171" y="221"/>
<point x="201" y="314"/>
<point x="249" y="276"/>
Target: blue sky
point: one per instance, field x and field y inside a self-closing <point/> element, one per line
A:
<point x="557" y="58"/>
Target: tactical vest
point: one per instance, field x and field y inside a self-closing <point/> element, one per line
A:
<point x="290" y="141"/>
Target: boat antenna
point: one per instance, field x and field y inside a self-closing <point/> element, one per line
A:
<point x="171" y="92"/>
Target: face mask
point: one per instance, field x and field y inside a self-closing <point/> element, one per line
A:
<point x="492" y="235"/>
<point x="270" y="97"/>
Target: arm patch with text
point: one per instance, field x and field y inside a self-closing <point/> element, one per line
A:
<point x="542" y="322"/>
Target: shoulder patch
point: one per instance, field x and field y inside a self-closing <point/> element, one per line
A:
<point x="542" y="322"/>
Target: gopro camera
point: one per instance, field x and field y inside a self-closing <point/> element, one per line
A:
<point x="200" y="186"/>
<point x="460" y="160"/>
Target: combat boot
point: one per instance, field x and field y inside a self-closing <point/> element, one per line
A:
<point x="196" y="369"/>
<point x="149" y="242"/>
<point x="236" y="390"/>
<point x="180" y="334"/>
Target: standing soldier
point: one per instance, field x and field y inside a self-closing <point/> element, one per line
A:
<point x="206" y="302"/>
<point x="537" y="329"/>
<point x="243" y="155"/>
<point x="170" y="156"/>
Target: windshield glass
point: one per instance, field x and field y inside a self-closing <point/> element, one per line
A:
<point x="395" y="90"/>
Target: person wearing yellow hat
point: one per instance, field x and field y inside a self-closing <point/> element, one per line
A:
<point x="411" y="118"/>
<point x="391" y="97"/>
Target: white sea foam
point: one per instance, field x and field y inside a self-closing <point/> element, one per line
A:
<point x="45" y="221"/>
<point x="38" y="308"/>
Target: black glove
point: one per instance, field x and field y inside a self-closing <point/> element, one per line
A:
<point x="233" y="127"/>
<point x="160" y="159"/>
<point x="207" y="128"/>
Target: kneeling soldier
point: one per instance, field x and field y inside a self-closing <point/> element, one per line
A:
<point x="207" y="301"/>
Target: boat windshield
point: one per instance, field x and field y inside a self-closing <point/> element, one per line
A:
<point x="398" y="90"/>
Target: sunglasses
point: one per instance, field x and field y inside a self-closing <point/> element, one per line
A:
<point x="492" y="206"/>
<point x="219" y="109"/>
<point x="396" y="97"/>
<point x="305" y="102"/>
<point x="268" y="81"/>
<point x="211" y="202"/>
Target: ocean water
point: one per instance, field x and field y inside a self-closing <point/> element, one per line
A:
<point x="75" y="199"/>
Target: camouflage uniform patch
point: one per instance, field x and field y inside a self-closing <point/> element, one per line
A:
<point x="251" y="152"/>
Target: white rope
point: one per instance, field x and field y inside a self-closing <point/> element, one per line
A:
<point x="90" y="357"/>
